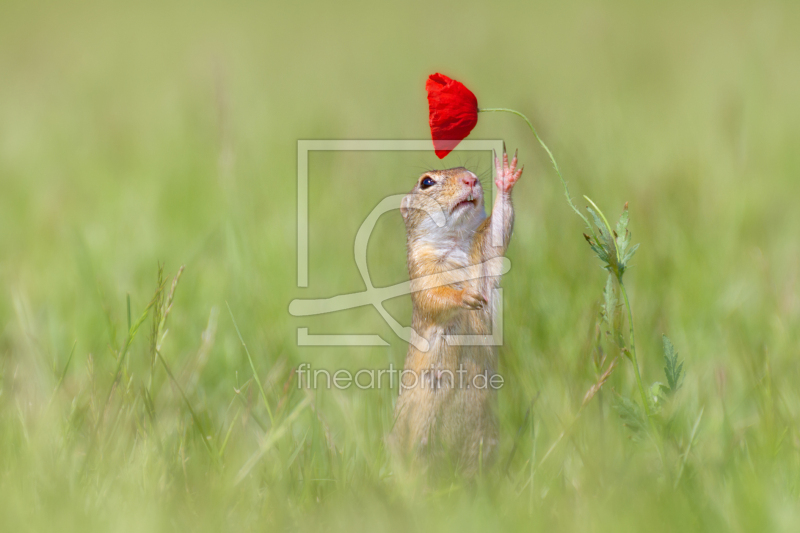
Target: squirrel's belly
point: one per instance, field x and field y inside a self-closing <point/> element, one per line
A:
<point x="446" y="407"/>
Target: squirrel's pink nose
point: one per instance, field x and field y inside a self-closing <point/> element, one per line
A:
<point x="469" y="181"/>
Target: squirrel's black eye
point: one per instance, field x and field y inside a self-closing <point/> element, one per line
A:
<point x="426" y="182"/>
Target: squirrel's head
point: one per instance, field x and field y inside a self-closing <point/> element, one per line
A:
<point x="449" y="199"/>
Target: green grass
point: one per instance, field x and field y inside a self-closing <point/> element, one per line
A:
<point x="138" y="135"/>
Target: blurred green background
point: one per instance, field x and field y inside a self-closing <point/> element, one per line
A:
<point x="133" y="134"/>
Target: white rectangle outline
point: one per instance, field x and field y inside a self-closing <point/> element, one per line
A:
<point x="330" y="145"/>
<point x="305" y="146"/>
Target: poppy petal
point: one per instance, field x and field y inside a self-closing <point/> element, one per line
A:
<point x="453" y="112"/>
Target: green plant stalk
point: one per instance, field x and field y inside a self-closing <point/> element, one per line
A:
<point x="549" y="153"/>
<point x="588" y="225"/>
<point x="633" y="349"/>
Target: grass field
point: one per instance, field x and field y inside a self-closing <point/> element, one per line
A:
<point x="134" y="135"/>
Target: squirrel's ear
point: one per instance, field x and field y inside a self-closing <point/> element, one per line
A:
<point x="404" y="205"/>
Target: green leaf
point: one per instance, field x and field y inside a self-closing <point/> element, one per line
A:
<point x="656" y="396"/>
<point x="626" y="240"/>
<point x="598" y="222"/>
<point x="601" y="253"/>
<point x="623" y="236"/>
<point x="622" y="225"/>
<point x="609" y="247"/>
<point x="673" y="370"/>
<point x="629" y="255"/>
<point x="631" y="414"/>
<point x="621" y="243"/>
<point x="601" y="222"/>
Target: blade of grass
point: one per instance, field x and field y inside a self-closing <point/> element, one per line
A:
<point x="131" y="335"/>
<point x="591" y="393"/>
<point x="273" y="436"/>
<point x="63" y="373"/>
<point x="189" y="406"/>
<point x="252" y="367"/>
<point x="297" y="449"/>
<point x="230" y="430"/>
<point x="689" y="447"/>
<point x="519" y="433"/>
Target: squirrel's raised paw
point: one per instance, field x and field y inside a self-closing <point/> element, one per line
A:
<point x="507" y="174"/>
<point x="472" y="300"/>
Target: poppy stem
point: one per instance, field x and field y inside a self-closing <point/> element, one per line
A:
<point x="635" y="362"/>
<point x="549" y="153"/>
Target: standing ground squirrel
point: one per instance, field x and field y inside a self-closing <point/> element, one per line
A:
<point x="442" y="419"/>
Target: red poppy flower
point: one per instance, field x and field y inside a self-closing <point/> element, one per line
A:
<point x="453" y="112"/>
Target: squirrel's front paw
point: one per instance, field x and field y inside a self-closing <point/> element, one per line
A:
<point x="507" y="174"/>
<point x="472" y="300"/>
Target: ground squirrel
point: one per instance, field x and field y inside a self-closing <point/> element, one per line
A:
<point x="441" y="417"/>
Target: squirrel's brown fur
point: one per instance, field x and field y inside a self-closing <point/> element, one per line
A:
<point x="441" y="417"/>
